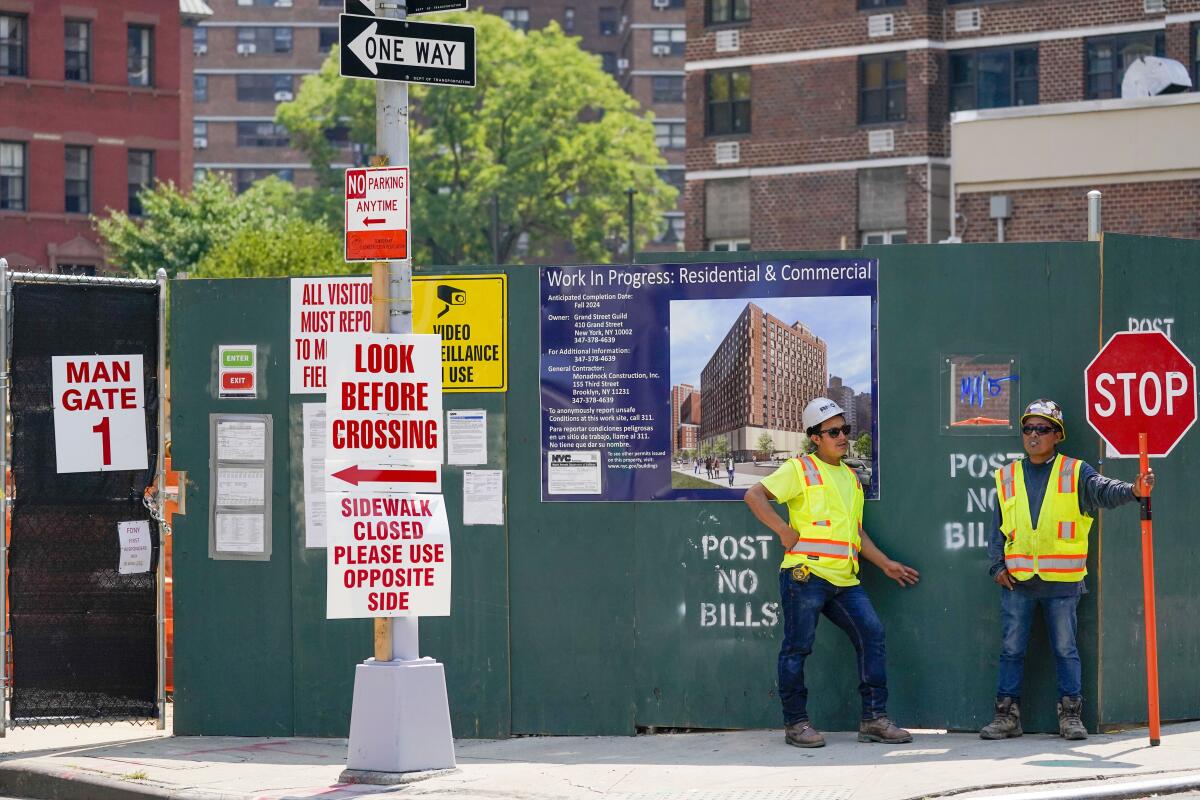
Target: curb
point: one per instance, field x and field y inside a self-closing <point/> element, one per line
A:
<point x="46" y="783"/>
<point x="1109" y="787"/>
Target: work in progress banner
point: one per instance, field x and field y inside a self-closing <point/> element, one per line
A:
<point x="83" y="553"/>
<point x="688" y="381"/>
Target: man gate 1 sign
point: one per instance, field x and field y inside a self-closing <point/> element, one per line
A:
<point x="1141" y="383"/>
<point x="99" y="413"/>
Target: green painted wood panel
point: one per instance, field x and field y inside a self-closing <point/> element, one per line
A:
<point x="1146" y="279"/>
<point x="233" y="631"/>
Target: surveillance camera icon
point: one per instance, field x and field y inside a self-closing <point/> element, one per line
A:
<point x="451" y="296"/>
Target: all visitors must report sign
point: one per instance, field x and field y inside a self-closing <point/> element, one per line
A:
<point x="321" y="308"/>
<point x="389" y="556"/>
<point x="99" y="413"/>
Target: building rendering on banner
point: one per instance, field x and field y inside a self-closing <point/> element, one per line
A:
<point x="685" y="417"/>
<point x="846" y="127"/>
<point x="641" y="44"/>
<point x="250" y="56"/>
<point x="95" y="97"/>
<point x="857" y="405"/>
<point x="758" y="381"/>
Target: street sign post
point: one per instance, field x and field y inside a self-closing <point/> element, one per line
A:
<point x="1140" y="392"/>
<point x="377" y="48"/>
<point x="377" y="214"/>
<point x="368" y="7"/>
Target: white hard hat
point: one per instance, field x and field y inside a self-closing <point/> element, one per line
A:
<point x="819" y="410"/>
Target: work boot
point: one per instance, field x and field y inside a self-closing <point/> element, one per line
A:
<point x="1070" y="726"/>
<point x="802" y="734"/>
<point x="1007" y="722"/>
<point x="882" y="729"/>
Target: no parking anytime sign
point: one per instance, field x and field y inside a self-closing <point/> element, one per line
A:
<point x="99" y="413"/>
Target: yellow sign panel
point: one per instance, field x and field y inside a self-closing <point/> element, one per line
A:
<point x="470" y="313"/>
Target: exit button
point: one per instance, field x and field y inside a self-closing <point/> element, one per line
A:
<point x="233" y="381"/>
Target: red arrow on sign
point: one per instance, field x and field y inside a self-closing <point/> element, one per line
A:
<point x="354" y="476"/>
<point x="372" y="221"/>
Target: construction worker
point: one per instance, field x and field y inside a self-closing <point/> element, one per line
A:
<point x="819" y="574"/>
<point x="1044" y="563"/>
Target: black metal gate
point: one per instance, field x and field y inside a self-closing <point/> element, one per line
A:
<point x="83" y="636"/>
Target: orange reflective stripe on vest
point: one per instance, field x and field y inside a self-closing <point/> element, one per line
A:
<point x="1018" y="562"/>
<point x="1007" y="478"/>
<point x="1066" y="476"/>
<point x="829" y="548"/>
<point x="812" y="474"/>
<point x="1062" y="564"/>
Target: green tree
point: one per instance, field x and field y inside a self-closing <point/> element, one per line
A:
<point x="177" y="230"/>
<point x="765" y="444"/>
<point x="283" y="247"/>
<point x="863" y="445"/>
<point x="546" y="140"/>
<point x="721" y="448"/>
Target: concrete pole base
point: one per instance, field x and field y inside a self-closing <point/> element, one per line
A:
<point x="400" y="721"/>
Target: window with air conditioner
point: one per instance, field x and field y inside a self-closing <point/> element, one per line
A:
<point x="668" y="41"/>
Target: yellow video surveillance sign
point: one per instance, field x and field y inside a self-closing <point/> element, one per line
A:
<point x="470" y="313"/>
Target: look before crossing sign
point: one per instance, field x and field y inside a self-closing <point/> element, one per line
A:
<point x="384" y="414"/>
<point x="377" y="214"/>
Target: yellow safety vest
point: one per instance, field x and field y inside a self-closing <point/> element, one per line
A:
<point x="1056" y="548"/>
<point x="829" y="532"/>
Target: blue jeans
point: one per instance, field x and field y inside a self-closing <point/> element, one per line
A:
<point x="850" y="609"/>
<point x="1016" y="618"/>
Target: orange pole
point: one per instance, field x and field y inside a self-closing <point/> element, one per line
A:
<point x="1148" y="600"/>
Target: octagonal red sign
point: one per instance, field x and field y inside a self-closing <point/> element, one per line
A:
<point x="1141" y="383"/>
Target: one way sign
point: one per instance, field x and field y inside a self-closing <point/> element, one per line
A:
<point x="383" y="49"/>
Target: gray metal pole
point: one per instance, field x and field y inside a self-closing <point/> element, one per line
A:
<point x="161" y="601"/>
<point x="391" y="140"/>
<point x="1093" y="198"/>
<point x="4" y="284"/>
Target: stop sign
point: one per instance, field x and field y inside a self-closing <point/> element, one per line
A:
<point x="1141" y="383"/>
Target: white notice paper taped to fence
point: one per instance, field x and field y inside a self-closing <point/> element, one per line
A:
<point x="241" y="487"/>
<point x="483" y="497"/>
<point x="466" y="436"/>
<point x="314" y="475"/>
<point x="136" y="548"/>
<point x="241" y="441"/>
<point x="240" y="533"/>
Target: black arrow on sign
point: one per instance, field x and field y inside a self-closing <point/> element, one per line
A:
<point x="378" y="48"/>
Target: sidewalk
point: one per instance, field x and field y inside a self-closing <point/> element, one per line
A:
<point x="125" y="761"/>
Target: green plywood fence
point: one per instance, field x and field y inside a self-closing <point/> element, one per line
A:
<point x="597" y="618"/>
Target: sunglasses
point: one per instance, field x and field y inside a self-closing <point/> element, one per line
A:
<point x="832" y="433"/>
<point x="1041" y="430"/>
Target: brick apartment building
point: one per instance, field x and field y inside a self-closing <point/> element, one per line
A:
<point x="250" y="56"/>
<point x="685" y="417"/>
<point x="851" y="122"/>
<point x="94" y="109"/>
<point x="641" y="43"/>
<point x="758" y="380"/>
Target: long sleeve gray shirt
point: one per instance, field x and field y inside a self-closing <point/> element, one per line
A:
<point x="1095" y="492"/>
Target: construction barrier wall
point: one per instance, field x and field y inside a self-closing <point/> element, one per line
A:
<point x="583" y="618"/>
